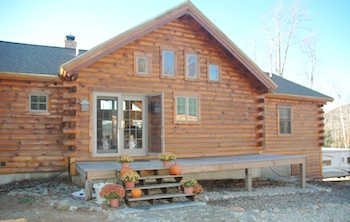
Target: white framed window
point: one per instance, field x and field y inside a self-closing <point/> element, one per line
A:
<point x="285" y="120"/>
<point x="214" y="73"/>
<point x="187" y="109"/>
<point x="142" y="65"/>
<point x="38" y="103"/>
<point x="191" y="66"/>
<point x="168" y="64"/>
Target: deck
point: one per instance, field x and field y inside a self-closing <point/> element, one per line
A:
<point x="92" y="171"/>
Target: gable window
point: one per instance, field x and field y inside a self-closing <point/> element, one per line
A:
<point x="142" y="65"/>
<point x="168" y="63"/>
<point x="38" y="102"/>
<point x="285" y="120"/>
<point x="214" y="73"/>
<point x="191" y="66"/>
<point x="187" y="108"/>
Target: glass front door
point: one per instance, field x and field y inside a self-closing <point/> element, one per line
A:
<point x="133" y="131"/>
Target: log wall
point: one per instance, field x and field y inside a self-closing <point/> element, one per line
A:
<point x="307" y="132"/>
<point x="29" y="141"/>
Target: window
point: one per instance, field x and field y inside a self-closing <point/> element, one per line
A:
<point x="187" y="109"/>
<point x="168" y="63"/>
<point x="214" y="73"/>
<point x="191" y="66"/>
<point x="285" y="120"/>
<point x="142" y="65"/>
<point x="38" y="102"/>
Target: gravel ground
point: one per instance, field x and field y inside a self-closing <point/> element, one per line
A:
<point x="226" y="200"/>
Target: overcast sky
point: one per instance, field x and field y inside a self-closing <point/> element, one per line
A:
<point x="46" y="22"/>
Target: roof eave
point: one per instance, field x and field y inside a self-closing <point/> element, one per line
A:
<point x="29" y="77"/>
<point x="290" y="96"/>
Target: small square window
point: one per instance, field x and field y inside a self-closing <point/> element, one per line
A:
<point x="142" y="65"/>
<point x="168" y="63"/>
<point x="38" y="102"/>
<point x="192" y="66"/>
<point x="214" y="73"/>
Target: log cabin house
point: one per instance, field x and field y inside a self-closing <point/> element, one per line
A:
<point x="175" y="83"/>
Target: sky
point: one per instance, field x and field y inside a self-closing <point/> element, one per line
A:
<point x="47" y="22"/>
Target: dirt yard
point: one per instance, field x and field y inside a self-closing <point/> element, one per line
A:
<point x="23" y="208"/>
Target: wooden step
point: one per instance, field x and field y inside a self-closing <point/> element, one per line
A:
<point x="159" y="177"/>
<point x="155" y="186"/>
<point x="152" y="198"/>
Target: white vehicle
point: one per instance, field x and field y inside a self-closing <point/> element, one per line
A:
<point x="335" y="162"/>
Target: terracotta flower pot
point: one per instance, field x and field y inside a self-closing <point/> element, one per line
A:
<point x="129" y="184"/>
<point x="166" y="163"/>
<point x="114" y="202"/>
<point x="125" y="165"/>
<point x="188" y="190"/>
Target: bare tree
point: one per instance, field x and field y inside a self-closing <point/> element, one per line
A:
<point x="282" y="29"/>
<point x="309" y="48"/>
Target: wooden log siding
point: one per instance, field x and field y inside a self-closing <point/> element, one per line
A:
<point x="306" y="132"/>
<point x="29" y="141"/>
<point x="229" y="108"/>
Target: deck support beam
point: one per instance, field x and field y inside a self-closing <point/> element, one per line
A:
<point x="248" y="180"/>
<point x="302" y="175"/>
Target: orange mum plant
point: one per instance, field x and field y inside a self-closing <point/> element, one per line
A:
<point x="112" y="191"/>
<point x="198" y="189"/>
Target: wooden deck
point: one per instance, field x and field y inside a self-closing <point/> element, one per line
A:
<point x="94" y="171"/>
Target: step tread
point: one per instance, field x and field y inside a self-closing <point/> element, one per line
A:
<point x="155" y="186"/>
<point x="159" y="196"/>
<point x="159" y="176"/>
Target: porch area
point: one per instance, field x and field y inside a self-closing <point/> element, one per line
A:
<point x="92" y="172"/>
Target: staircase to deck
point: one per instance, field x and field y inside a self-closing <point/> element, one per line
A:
<point x="156" y="185"/>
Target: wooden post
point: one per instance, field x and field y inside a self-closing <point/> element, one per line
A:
<point x="72" y="170"/>
<point x="302" y="168"/>
<point x="248" y="179"/>
<point x="88" y="189"/>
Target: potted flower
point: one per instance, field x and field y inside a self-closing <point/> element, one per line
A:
<point x="197" y="189"/>
<point x="125" y="160"/>
<point x="166" y="158"/>
<point x="112" y="193"/>
<point x="188" y="185"/>
<point x="130" y="178"/>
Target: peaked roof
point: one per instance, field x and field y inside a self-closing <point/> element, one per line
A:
<point x="187" y="8"/>
<point x="33" y="59"/>
<point x="291" y="88"/>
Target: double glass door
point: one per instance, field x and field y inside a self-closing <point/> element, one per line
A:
<point x="124" y="124"/>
